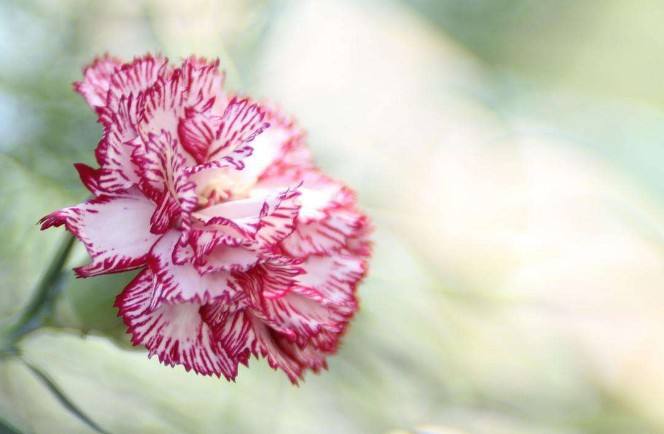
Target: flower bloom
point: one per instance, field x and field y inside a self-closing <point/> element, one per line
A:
<point x="244" y="247"/>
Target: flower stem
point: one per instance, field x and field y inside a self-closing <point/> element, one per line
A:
<point x="63" y="398"/>
<point x="42" y="297"/>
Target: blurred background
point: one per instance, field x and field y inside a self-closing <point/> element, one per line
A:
<point x="510" y="152"/>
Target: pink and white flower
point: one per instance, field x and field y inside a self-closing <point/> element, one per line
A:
<point x="244" y="246"/>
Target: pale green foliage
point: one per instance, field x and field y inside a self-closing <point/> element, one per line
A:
<point x="24" y="252"/>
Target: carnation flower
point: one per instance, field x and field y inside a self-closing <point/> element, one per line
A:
<point x="244" y="247"/>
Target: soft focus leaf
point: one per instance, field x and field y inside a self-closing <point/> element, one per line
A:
<point x="25" y="252"/>
<point x="7" y="429"/>
<point x="27" y="404"/>
<point x="64" y="400"/>
<point x="87" y="304"/>
<point x="109" y="384"/>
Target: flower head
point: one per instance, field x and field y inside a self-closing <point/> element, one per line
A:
<point x="245" y="248"/>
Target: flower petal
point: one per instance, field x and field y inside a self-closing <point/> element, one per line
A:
<point x="176" y="333"/>
<point x="135" y="77"/>
<point x="205" y="106"/>
<point x="227" y="258"/>
<point x="183" y="283"/>
<point x="272" y="278"/>
<point x="232" y="328"/>
<point x="97" y="80"/>
<point x="277" y="218"/>
<point x="325" y="236"/>
<point x="320" y="194"/>
<point x="205" y="237"/>
<point x="269" y="148"/>
<point x="293" y="314"/>
<point x="114" y="230"/>
<point x="89" y="177"/>
<point x="285" y="142"/>
<point x="118" y="144"/>
<point x="163" y="107"/>
<point x="163" y="177"/>
<point x="282" y="143"/>
<point x="204" y="83"/>
<point x="267" y="220"/>
<point x="243" y="334"/>
<point x="242" y="214"/>
<point x="242" y="122"/>
<point x="283" y="354"/>
<point x="197" y="131"/>
<point x="332" y="280"/>
<point x="299" y="317"/>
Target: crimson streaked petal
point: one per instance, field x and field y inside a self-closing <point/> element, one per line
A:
<point x="272" y="278"/>
<point x="299" y="317"/>
<point x="117" y="146"/>
<point x="183" y="252"/>
<point x="267" y="220"/>
<point x="133" y="78"/>
<point x="183" y="283"/>
<point x="175" y="333"/>
<point x="293" y="314"/>
<point x="289" y="140"/>
<point x="227" y="258"/>
<point x="242" y="122"/>
<point x="280" y="145"/>
<point x="205" y="237"/>
<point x="205" y="105"/>
<point x="232" y="328"/>
<point x="97" y="80"/>
<point x="359" y="243"/>
<point x="242" y="214"/>
<point x="243" y="334"/>
<point x="327" y="341"/>
<point x="114" y="230"/>
<point x="163" y="106"/>
<point x="232" y="161"/>
<point x="204" y="83"/>
<point x="325" y="236"/>
<point x="331" y="280"/>
<point x="163" y="177"/>
<point x="282" y="354"/>
<point x="89" y="177"/>
<point x="197" y="131"/>
<point x="277" y="217"/>
<point x="320" y="194"/>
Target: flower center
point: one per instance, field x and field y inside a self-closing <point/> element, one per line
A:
<point x="221" y="188"/>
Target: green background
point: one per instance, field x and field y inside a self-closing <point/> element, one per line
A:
<point x="510" y="153"/>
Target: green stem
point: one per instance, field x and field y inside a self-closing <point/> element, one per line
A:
<point x="33" y="317"/>
<point x="63" y="399"/>
<point x="35" y="311"/>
